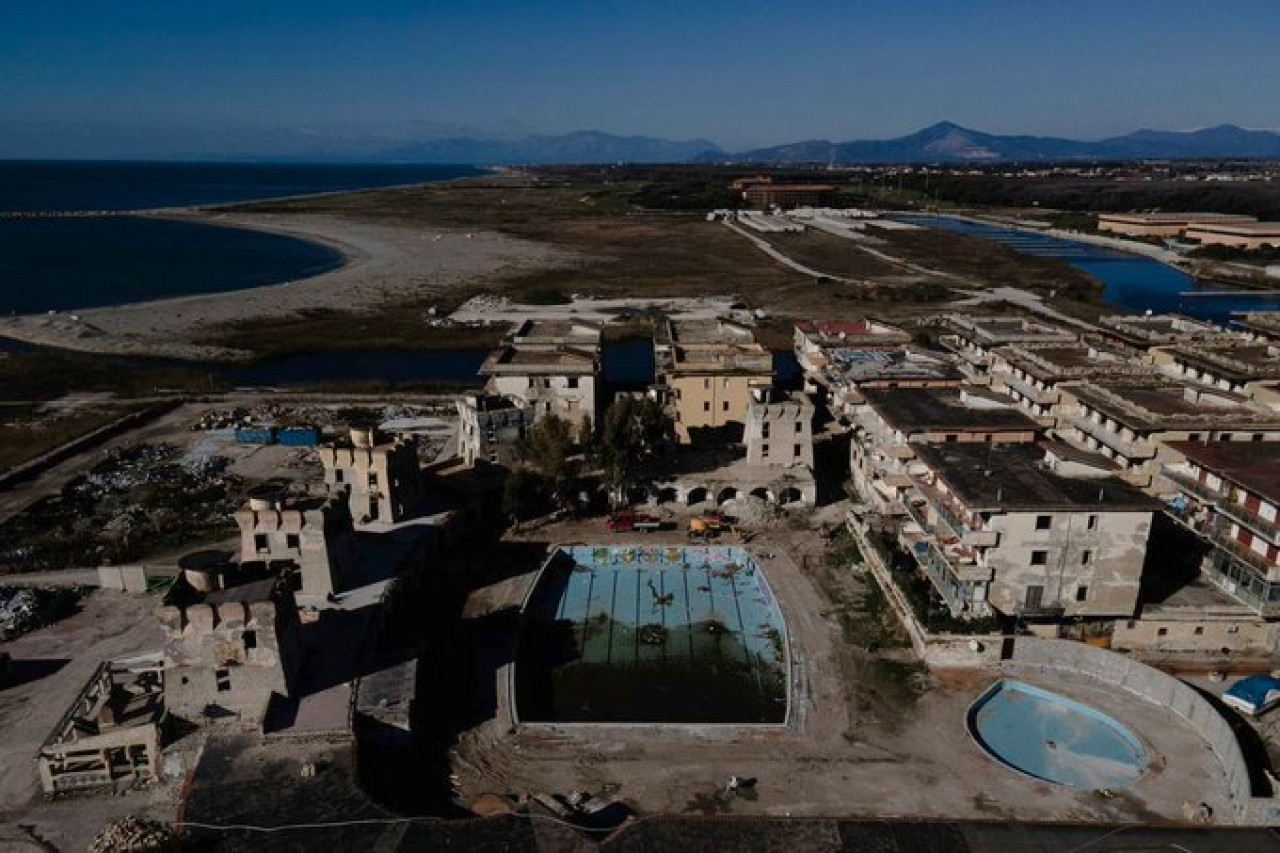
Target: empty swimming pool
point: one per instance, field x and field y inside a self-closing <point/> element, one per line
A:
<point x="1055" y="738"/>
<point x="671" y="634"/>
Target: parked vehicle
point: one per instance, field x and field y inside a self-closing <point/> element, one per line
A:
<point x="629" y="522"/>
<point x="1254" y="695"/>
<point x="708" y="526"/>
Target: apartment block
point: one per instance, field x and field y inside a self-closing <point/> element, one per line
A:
<point x="893" y="422"/>
<point x="1232" y="366"/>
<point x="1030" y="373"/>
<point x="1027" y="531"/>
<point x="1229" y="493"/>
<point x="1130" y="420"/>
<point x="1139" y="333"/>
<point x="707" y="371"/>
<point x="974" y="339"/>
<point x="551" y="365"/>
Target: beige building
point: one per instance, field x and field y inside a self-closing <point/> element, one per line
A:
<point x="1237" y="235"/>
<point x="1130" y="420"/>
<point x="111" y="735"/>
<point x="310" y="534"/>
<point x="893" y="422"/>
<point x="379" y="476"/>
<point x="1260" y="326"/>
<point x="1163" y="224"/>
<point x="707" y="371"/>
<point x="231" y="650"/>
<point x="551" y="365"/>
<point x="780" y="432"/>
<point x="1018" y="530"/>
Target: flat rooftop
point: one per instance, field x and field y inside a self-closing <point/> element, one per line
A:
<point x="518" y="359"/>
<point x="1251" y="465"/>
<point x="1241" y="363"/>
<point x="912" y="410"/>
<point x="1173" y="218"/>
<point x="1242" y="229"/>
<point x="1015" y="478"/>
<point x="710" y="331"/>
<point x="533" y="330"/>
<point x="1155" y="328"/>
<point x="1147" y="405"/>
<point x="998" y="330"/>
<point x="858" y="332"/>
<point x="855" y="364"/>
<point x="1069" y="359"/>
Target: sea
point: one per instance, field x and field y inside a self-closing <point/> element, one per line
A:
<point x="68" y="239"/>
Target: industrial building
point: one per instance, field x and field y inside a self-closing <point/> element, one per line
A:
<point x="1236" y="235"/>
<point x="1164" y="225"/>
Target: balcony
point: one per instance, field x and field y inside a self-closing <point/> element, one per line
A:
<point x="1122" y="446"/>
<point x="1243" y="583"/>
<point x="952" y="519"/>
<point x="938" y="569"/>
<point x="1041" y="396"/>
<point x="1192" y="486"/>
<point x="1242" y="515"/>
<point x="1216" y="530"/>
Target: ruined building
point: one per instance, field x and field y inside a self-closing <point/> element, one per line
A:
<point x="312" y="534"/>
<point x="229" y="651"/>
<point x="380" y="476"/>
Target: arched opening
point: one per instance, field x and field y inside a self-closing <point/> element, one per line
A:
<point x="762" y="493"/>
<point x="728" y="493"/>
<point x="667" y="495"/>
<point x="790" y="495"/>
<point x="696" y="495"/>
<point x="637" y="494"/>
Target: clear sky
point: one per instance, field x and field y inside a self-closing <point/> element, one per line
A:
<point x="166" y="77"/>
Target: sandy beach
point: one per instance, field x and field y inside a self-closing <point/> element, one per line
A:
<point x="384" y="264"/>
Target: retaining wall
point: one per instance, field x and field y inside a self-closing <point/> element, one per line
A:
<point x="1153" y="686"/>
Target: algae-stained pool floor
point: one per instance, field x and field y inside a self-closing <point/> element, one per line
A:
<point x="652" y="634"/>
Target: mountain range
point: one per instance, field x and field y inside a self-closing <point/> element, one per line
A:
<point x="944" y="142"/>
<point x="584" y="146"/>
<point x="947" y="142"/>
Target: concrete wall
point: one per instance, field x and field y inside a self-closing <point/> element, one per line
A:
<point x="712" y="401"/>
<point x="383" y="481"/>
<point x="123" y="578"/>
<point x="780" y="434"/>
<point x="1153" y="686"/>
<point x="1115" y="549"/>
<point x="1189" y="634"/>
<point x="551" y="394"/>
<point x="319" y="540"/>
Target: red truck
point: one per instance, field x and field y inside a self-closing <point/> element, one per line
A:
<point x="632" y="522"/>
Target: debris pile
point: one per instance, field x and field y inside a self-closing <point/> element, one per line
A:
<point x="752" y="511"/>
<point x="133" y="834"/>
<point x="23" y="609"/>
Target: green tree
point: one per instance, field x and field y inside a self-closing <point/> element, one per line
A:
<point x="547" y="449"/>
<point x="632" y="432"/>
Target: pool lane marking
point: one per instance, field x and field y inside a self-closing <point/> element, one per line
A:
<point x="688" y="613"/>
<point x="586" y="614"/>
<point x="751" y="657"/>
<point x="613" y="604"/>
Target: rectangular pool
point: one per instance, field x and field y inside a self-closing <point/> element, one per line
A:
<point x="653" y="634"/>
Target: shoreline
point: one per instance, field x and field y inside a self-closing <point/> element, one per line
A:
<point x="383" y="265"/>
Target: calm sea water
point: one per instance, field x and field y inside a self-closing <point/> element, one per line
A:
<point x="67" y="263"/>
<point x="1133" y="282"/>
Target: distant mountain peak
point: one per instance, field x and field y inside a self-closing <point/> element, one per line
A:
<point x="948" y="142"/>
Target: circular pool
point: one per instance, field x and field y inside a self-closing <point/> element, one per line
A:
<point x="1055" y="739"/>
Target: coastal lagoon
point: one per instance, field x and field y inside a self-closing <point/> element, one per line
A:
<point x="65" y="245"/>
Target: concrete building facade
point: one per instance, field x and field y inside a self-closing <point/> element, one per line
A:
<point x="231" y="650"/>
<point x="490" y="428"/>
<point x="1236" y="235"/>
<point x="314" y="535"/>
<point x="379" y="476"/>
<point x="708" y="371"/>
<point x="1015" y="530"/>
<point x="1164" y="224"/>
<point x="552" y="366"/>
<point x="780" y="432"/>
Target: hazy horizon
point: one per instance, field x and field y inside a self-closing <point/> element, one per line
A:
<point x="327" y="79"/>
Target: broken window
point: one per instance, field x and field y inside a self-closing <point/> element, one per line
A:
<point x="293" y="540"/>
<point x="1044" y="522"/>
<point x="1039" y="558"/>
<point x="222" y="678"/>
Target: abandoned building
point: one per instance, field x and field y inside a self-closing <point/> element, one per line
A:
<point x="551" y="365"/>
<point x="779" y="430"/>
<point x="311" y="535"/>
<point x="113" y="732"/>
<point x="490" y="428"/>
<point x="380" y="476"/>
<point x="707" y="371"/>
<point x="231" y="650"/>
<point x="1027" y="531"/>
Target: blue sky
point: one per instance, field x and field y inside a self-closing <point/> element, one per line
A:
<point x="165" y="77"/>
